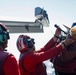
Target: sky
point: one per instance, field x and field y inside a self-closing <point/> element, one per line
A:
<point x="59" y="12"/>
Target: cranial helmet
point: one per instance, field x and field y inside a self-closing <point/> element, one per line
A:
<point x="74" y="24"/>
<point x="24" y="42"/>
<point x="4" y="33"/>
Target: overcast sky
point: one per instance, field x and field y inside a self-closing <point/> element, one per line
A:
<point x="59" y="11"/>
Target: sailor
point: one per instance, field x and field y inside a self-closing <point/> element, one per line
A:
<point x="65" y="62"/>
<point x="8" y="63"/>
<point x="31" y="60"/>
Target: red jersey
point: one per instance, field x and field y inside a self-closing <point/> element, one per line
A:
<point x="31" y="63"/>
<point x="8" y="64"/>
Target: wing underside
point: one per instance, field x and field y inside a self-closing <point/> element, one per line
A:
<point x="23" y="27"/>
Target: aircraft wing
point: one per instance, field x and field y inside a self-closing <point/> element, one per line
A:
<point x="23" y="27"/>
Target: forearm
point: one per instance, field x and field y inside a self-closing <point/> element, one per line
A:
<point x="50" y="53"/>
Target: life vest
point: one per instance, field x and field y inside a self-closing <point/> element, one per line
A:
<point x="3" y="56"/>
<point x="23" y="70"/>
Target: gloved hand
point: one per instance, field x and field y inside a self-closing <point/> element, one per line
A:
<point x="57" y="33"/>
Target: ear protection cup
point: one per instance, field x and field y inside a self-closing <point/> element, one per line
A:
<point x="29" y="42"/>
<point x="4" y="33"/>
<point x="4" y="36"/>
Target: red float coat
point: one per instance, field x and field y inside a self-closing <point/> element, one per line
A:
<point x="31" y="63"/>
<point x="8" y="64"/>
